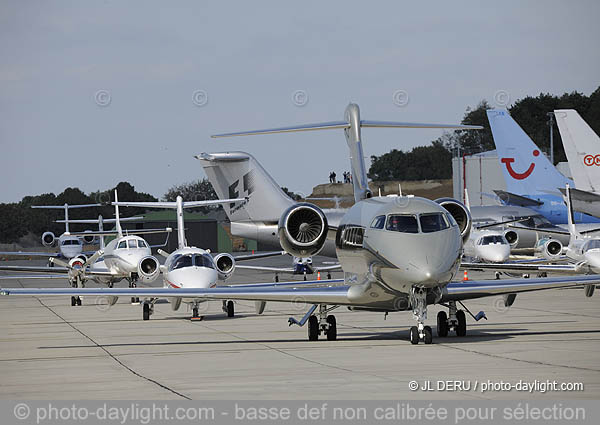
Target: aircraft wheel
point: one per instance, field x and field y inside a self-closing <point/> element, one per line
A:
<point x="313" y="328"/>
<point x="73" y="302"/>
<point x="427" y="335"/>
<point x="230" y="309"/>
<point x="442" y="324"/>
<point x="146" y="315"/>
<point x="78" y="299"/>
<point x="332" y="330"/>
<point x="461" y="328"/>
<point x="329" y="276"/>
<point x="414" y="335"/>
<point x="195" y="312"/>
<point x="276" y="278"/>
<point x="305" y="277"/>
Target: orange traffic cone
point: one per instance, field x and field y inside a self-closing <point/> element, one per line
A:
<point x="318" y="275"/>
<point x="465" y="276"/>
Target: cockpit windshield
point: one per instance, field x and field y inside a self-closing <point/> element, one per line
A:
<point x="402" y="223"/>
<point x="71" y="242"/>
<point x="493" y="239"/>
<point x="433" y="222"/>
<point x="132" y="243"/>
<point x="593" y="244"/>
<point x="188" y="260"/>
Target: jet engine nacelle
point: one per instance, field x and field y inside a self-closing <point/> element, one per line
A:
<point x="512" y="237"/>
<point x="225" y="265"/>
<point x="89" y="239"/>
<point x="303" y="230"/>
<point x="48" y="239"/>
<point x="549" y="248"/>
<point x="148" y="268"/>
<point x="461" y="215"/>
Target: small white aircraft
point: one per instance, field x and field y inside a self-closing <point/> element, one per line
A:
<point x="128" y="256"/>
<point x="69" y="246"/>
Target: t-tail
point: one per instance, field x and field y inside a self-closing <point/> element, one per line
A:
<point x="179" y="205"/>
<point x="526" y="169"/>
<point x="352" y="125"/>
<point x="66" y="207"/>
<point x="582" y="147"/>
<point x="239" y="174"/>
<point x="570" y="218"/>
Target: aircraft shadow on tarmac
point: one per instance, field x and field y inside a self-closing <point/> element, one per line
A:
<point x="472" y="337"/>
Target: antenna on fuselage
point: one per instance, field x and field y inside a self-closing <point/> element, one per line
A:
<point x="352" y="126"/>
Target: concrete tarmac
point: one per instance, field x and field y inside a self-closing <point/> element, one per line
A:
<point x="50" y="350"/>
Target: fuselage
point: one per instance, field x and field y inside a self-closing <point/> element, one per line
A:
<point x="69" y="246"/>
<point x="401" y="242"/>
<point x="123" y="255"/>
<point x="488" y="246"/>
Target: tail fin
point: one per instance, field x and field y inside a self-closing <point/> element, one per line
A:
<point x="582" y="147"/>
<point x="526" y="170"/>
<point x="66" y="207"/>
<point x="239" y="174"/>
<point x="117" y="218"/>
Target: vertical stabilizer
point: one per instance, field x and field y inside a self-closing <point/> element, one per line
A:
<point x="570" y="219"/>
<point x="526" y="169"/>
<point x="117" y="218"/>
<point x="582" y="147"/>
<point x="239" y="174"/>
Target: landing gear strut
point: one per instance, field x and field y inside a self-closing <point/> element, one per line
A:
<point x="134" y="300"/>
<point x="77" y="283"/>
<point x="418" y="300"/>
<point x="195" y="312"/>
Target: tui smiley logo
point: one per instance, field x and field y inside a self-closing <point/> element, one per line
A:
<point x="519" y="176"/>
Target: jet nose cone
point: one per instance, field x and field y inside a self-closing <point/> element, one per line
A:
<point x="593" y="259"/>
<point x="495" y="253"/>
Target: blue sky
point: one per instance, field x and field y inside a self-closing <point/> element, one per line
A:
<point x="93" y="93"/>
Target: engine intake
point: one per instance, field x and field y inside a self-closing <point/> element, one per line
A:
<point x="148" y="268"/>
<point x="225" y="265"/>
<point x="512" y="237"/>
<point x="549" y="248"/>
<point x="48" y="239"/>
<point x="460" y="213"/>
<point x="303" y="230"/>
<point x="89" y="239"/>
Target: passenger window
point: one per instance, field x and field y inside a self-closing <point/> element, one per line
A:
<point x="402" y="223"/>
<point x="378" y="222"/>
<point x="433" y="222"/>
<point x="123" y="244"/>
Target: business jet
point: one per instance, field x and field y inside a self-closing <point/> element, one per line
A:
<point x="189" y="267"/>
<point x="69" y="246"/>
<point x="128" y="257"/>
<point x="398" y="253"/>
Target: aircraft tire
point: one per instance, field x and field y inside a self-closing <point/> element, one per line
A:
<point x="461" y="328"/>
<point x="78" y="299"/>
<point x="146" y="311"/>
<point x="230" y="309"/>
<point x="332" y="330"/>
<point x="73" y="302"/>
<point x="442" y="324"/>
<point x="313" y="328"/>
<point x="427" y="335"/>
<point x="414" y="335"/>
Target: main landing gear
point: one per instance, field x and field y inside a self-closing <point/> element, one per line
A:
<point x="455" y="320"/>
<point x="147" y="309"/>
<point x="77" y="283"/>
<point x="228" y="308"/>
<point x="418" y="300"/>
<point x="320" y="324"/>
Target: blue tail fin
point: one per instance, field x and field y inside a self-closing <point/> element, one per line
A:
<point x="526" y="169"/>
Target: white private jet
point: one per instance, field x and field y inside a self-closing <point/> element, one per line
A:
<point x="128" y="256"/>
<point x="406" y="264"/>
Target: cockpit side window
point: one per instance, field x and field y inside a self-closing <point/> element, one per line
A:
<point x="142" y="244"/>
<point x="402" y="223"/>
<point x="433" y="222"/>
<point x="123" y="244"/>
<point x="378" y="222"/>
<point x="592" y="244"/>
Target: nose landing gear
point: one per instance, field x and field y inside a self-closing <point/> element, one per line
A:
<point x="418" y="300"/>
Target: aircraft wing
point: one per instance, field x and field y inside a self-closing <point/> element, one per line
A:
<point x="260" y="255"/>
<point x="459" y="291"/>
<point x="526" y="267"/>
<point x="31" y="254"/>
<point x="61" y="271"/>
<point x="267" y="268"/>
<point x="33" y="276"/>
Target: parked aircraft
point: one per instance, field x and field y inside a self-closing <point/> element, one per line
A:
<point x="398" y="253"/>
<point x="531" y="180"/>
<point x="582" y="147"/>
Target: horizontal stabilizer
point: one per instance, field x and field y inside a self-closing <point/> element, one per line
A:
<point x="62" y="207"/>
<point x="517" y="200"/>
<point x="115" y="233"/>
<point x="173" y="205"/>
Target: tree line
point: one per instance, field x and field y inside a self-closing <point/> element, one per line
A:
<point x="434" y="161"/>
